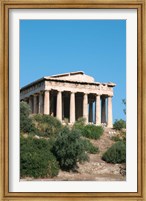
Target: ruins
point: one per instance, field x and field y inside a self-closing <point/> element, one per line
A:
<point x="71" y="96"/>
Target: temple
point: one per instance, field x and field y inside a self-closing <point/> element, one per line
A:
<point x="71" y="96"/>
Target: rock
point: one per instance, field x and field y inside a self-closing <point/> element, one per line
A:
<point x="37" y="137"/>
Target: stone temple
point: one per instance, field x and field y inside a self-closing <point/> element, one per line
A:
<point x="71" y="96"/>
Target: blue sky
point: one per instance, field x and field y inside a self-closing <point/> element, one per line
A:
<point x="97" y="47"/>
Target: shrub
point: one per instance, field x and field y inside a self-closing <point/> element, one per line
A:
<point x="116" y="138"/>
<point x="80" y="124"/>
<point x="124" y="136"/>
<point x="116" y="153"/>
<point x="120" y="137"/>
<point x="36" y="159"/>
<point x="47" y="125"/>
<point x="89" y="147"/>
<point x="92" y="131"/>
<point x="89" y="131"/>
<point x="68" y="149"/>
<point x="26" y="124"/>
<point x="119" y="124"/>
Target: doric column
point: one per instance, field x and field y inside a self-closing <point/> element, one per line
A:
<point x="47" y="102"/>
<point x="72" y="107"/>
<point x="85" y="107"/>
<point x="35" y="109"/>
<point x="103" y="110"/>
<point x="91" y="112"/>
<point x="59" y="106"/>
<point x="41" y="103"/>
<point x="110" y="118"/>
<point x="31" y="104"/>
<point x="98" y="111"/>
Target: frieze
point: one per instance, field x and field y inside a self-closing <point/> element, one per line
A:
<point x="65" y="86"/>
<point x="71" y="85"/>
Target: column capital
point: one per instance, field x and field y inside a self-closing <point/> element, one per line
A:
<point x="36" y="94"/>
<point x="72" y="92"/>
<point x="47" y="90"/>
<point x="97" y="94"/>
<point x="85" y="93"/>
<point x="59" y="91"/>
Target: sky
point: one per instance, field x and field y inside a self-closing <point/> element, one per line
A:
<point x="97" y="47"/>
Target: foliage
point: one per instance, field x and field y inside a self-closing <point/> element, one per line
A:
<point x="89" y="131"/>
<point x="89" y="147"/>
<point x="80" y="124"/>
<point x="47" y="125"/>
<point x="26" y="124"/>
<point x="68" y="149"/>
<point x="119" y="124"/>
<point x="92" y="131"/>
<point x="120" y="137"/>
<point x="36" y="159"/>
<point x="116" y="153"/>
<point x="116" y="138"/>
<point x="124" y="137"/>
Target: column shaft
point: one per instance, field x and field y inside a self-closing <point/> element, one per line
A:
<point x="59" y="106"/>
<point x="72" y="107"/>
<point x="41" y="103"/>
<point x="31" y="104"/>
<point x="110" y="119"/>
<point x="98" y="110"/>
<point x="85" y="107"/>
<point x="35" y="109"/>
<point x="47" y="102"/>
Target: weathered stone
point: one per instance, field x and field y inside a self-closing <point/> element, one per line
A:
<point x="70" y="96"/>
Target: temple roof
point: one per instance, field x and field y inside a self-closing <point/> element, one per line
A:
<point x="73" y="77"/>
<point x="79" y="76"/>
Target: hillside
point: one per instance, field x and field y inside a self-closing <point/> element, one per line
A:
<point x="96" y="169"/>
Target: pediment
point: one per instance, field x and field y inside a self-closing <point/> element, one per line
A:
<point x="79" y="76"/>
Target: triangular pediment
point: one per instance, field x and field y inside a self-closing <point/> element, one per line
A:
<point x="79" y="76"/>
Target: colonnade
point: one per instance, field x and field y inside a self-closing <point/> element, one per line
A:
<point x="41" y="103"/>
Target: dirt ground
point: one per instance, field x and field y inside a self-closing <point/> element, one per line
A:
<point x="96" y="169"/>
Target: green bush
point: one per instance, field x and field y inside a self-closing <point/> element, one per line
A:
<point x="124" y="137"/>
<point x="119" y="124"/>
<point x="116" y="138"/>
<point x="80" y="124"/>
<point x="120" y="137"/>
<point x="92" y="131"/>
<point x="116" y="153"/>
<point x="47" y="125"/>
<point x="26" y="124"/>
<point x="68" y="149"/>
<point x="89" y="147"/>
<point x="36" y="159"/>
<point x="89" y="131"/>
